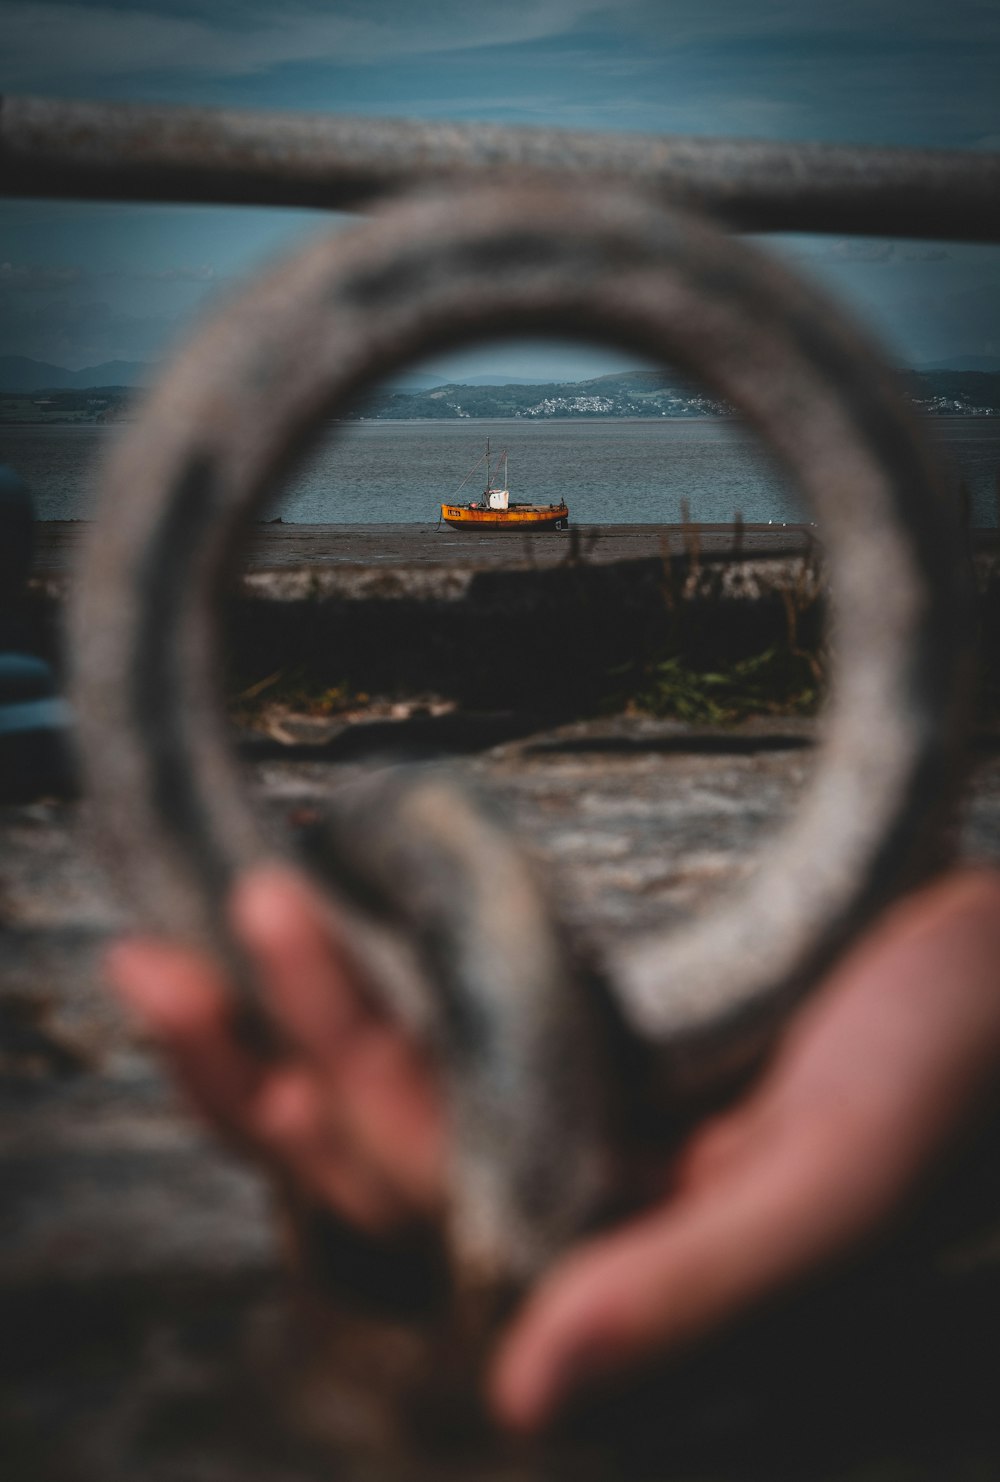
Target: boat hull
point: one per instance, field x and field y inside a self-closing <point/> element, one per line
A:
<point x="525" y="518"/>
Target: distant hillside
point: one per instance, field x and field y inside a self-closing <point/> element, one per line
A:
<point x="115" y="373"/>
<point x="650" y="393"/>
<point x="964" y="363"/>
<point x="18" y="373"/>
<point x="955" y="393"/>
<point x="632" y="394"/>
<point x="415" y="381"/>
<point x="495" y="380"/>
<point x="74" y="404"/>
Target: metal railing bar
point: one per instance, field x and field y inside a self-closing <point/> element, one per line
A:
<point x="121" y="151"/>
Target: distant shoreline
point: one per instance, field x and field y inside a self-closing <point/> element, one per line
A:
<point x="564" y="419"/>
<point x="653" y="394"/>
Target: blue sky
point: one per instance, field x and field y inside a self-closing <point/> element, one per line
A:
<point x="83" y="283"/>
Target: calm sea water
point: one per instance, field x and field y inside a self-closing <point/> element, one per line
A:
<point x="610" y="472"/>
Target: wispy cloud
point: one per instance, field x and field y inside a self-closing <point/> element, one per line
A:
<point x="861" y="249"/>
<point x="867" y="250"/>
<point x="890" y="71"/>
<point x="80" y="333"/>
<point x="205" y="273"/>
<point x="683" y="23"/>
<point x="30" y="279"/>
<point x="44" y="39"/>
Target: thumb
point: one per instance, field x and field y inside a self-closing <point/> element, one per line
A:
<point x="657" y="1284"/>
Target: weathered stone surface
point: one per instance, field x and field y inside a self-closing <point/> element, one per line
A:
<point x="138" y="1260"/>
<point x="640" y="822"/>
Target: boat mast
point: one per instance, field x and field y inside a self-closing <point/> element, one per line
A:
<point x="488" y="477"/>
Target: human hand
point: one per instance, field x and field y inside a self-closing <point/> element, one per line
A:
<point x="876" y="1074"/>
<point x="873" y="1077"/>
<point x="348" y="1112"/>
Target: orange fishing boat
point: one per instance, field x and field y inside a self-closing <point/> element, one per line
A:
<point x="496" y="510"/>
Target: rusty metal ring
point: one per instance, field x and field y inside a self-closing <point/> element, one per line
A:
<point x="443" y="269"/>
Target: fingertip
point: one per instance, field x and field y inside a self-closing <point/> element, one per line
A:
<point x="124" y="959"/>
<point x="518" y="1396"/>
<point x="268" y="904"/>
<point x="286" y="1110"/>
<point x="563" y="1339"/>
<point x="170" y="988"/>
<point x="532" y="1384"/>
<point x="311" y="988"/>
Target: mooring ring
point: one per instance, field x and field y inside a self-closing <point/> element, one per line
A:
<point x="441" y="270"/>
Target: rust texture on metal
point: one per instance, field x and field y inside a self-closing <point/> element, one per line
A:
<point x="140" y="152"/>
<point x="434" y="271"/>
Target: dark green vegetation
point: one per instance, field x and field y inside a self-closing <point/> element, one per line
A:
<point x="657" y="636"/>
<point x="90" y="404"/>
<point x="780" y="680"/>
<point x="954" y="393"/>
<point x="713" y="665"/>
<point x="296" y="690"/>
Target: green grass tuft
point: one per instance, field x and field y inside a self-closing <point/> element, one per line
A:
<point x="779" y="681"/>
